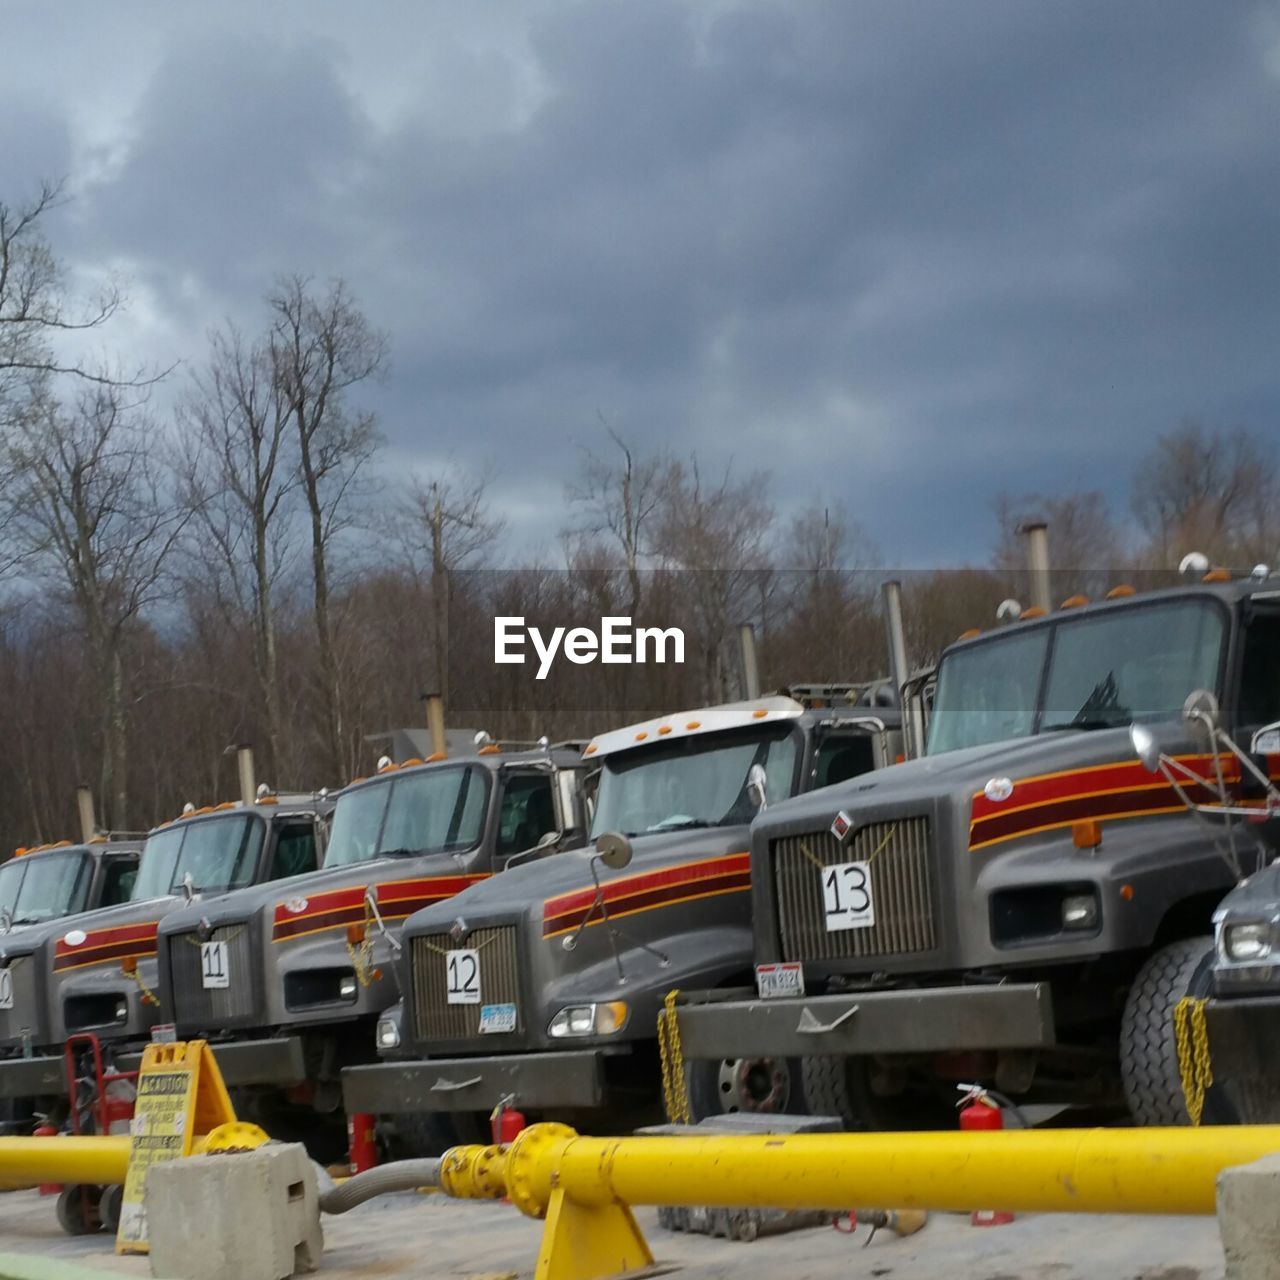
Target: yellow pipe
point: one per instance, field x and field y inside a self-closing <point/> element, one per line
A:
<point x="1064" y="1170"/>
<point x="99" y="1161"/>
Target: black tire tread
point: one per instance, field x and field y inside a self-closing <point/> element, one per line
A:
<point x="1148" y="1048"/>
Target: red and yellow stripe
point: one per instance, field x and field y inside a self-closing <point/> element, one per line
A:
<point x="338" y="908"/>
<point x="649" y="890"/>
<point x="104" y="945"/>
<point x="1101" y="792"/>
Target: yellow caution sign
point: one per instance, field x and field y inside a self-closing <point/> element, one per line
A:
<point x="180" y="1098"/>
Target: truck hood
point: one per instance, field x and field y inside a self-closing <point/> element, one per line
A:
<point x="962" y="774"/>
<point x="317" y="899"/>
<point x="1257" y="898"/>
<point x="565" y="878"/>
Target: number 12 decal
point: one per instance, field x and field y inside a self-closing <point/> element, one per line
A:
<point x="463" y="977"/>
<point x="846" y="896"/>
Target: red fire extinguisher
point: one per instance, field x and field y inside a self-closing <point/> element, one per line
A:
<point x="363" y="1148"/>
<point x="980" y="1113"/>
<point x="506" y="1123"/>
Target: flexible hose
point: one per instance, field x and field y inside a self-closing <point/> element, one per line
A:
<point x="402" y="1175"/>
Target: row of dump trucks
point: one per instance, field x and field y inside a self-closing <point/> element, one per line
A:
<point x="846" y="900"/>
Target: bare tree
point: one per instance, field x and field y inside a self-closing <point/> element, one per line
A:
<point x="619" y="499"/>
<point x="239" y="476"/>
<point x="1211" y="491"/>
<point x="445" y="524"/>
<point x="88" y="513"/>
<point x="322" y="346"/>
<point x="719" y="534"/>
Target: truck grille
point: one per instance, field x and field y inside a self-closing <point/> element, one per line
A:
<point x="900" y="884"/>
<point x="194" y="1005"/>
<point x="26" y="1015"/>
<point x="434" y="1018"/>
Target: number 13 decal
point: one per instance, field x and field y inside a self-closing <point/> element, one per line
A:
<point x="846" y="896"/>
<point x="463" y="973"/>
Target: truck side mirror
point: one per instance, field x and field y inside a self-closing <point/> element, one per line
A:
<point x="1201" y="718"/>
<point x="1266" y="742"/>
<point x="1145" y="747"/>
<point x="758" y="786"/>
<point x="614" y="850"/>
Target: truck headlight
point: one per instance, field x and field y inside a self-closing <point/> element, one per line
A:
<point x="122" y="1010"/>
<point x="1080" y="911"/>
<point x="589" y="1020"/>
<point x="347" y="987"/>
<point x="388" y="1033"/>
<point x="1243" y="942"/>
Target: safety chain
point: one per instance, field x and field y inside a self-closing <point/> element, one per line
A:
<point x="195" y="940"/>
<point x="675" y="1093"/>
<point x="148" y="996"/>
<point x="1191" y="1034"/>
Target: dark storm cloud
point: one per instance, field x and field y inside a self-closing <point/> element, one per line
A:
<point x="903" y="254"/>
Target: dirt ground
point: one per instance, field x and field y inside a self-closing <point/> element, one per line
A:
<point x="427" y="1235"/>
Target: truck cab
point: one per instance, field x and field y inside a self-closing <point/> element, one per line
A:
<point x="43" y="885"/>
<point x="1026" y="903"/>
<point x="96" y="973"/>
<point x="308" y="963"/>
<point x="543" y="986"/>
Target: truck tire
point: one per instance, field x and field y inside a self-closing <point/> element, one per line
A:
<point x="1256" y="1100"/>
<point x="729" y="1086"/>
<point x="842" y="1087"/>
<point x="1148" y="1048"/>
<point x="421" y="1134"/>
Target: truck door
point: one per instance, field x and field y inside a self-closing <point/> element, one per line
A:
<point x="1259" y="695"/>
<point x="295" y="851"/>
<point x="841" y="756"/>
<point x="526" y="813"/>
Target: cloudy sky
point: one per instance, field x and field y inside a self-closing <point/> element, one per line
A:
<point x="903" y="254"/>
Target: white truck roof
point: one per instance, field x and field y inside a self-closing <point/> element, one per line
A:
<point x="690" y="724"/>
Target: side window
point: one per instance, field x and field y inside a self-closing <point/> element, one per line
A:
<point x="1260" y="673"/>
<point x="117" y="884"/>
<point x="528" y="812"/>
<point x="841" y="757"/>
<point x="295" y="851"/>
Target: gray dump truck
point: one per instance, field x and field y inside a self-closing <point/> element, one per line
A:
<point x="307" y="965"/>
<point x="541" y="988"/>
<point x="1026" y="904"/>
<point x="96" y="973"/>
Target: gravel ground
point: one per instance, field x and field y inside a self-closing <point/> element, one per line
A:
<point x="420" y="1235"/>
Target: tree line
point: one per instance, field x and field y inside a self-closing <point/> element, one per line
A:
<point x="238" y="567"/>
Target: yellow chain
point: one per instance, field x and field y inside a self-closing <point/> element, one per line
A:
<point x="1191" y="1035"/>
<point x="674" y="1093"/>
<point x="148" y="996"/>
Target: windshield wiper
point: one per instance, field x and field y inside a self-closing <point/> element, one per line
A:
<point x="689" y="824"/>
<point x="398" y="853"/>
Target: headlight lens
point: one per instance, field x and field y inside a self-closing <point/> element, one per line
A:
<point x="347" y="988"/>
<point x="388" y="1034"/>
<point x="589" y="1020"/>
<point x="1244" y="942"/>
<point x="1079" y="911"/>
<point x="122" y="1010"/>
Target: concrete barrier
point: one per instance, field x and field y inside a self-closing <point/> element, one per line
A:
<point x="1249" y="1219"/>
<point x="254" y="1215"/>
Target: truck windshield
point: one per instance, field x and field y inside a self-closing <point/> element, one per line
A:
<point x="1103" y="672"/>
<point x="697" y="782"/>
<point x="45" y="886"/>
<point x="427" y="811"/>
<point x="217" y="853"/>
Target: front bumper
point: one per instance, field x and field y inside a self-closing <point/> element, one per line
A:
<point x="535" y="1080"/>
<point x="279" y="1061"/>
<point x="917" y="1020"/>
<point x="1243" y="1035"/>
<point x="33" y="1077"/>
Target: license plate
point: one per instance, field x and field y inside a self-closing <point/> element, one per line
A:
<point x="164" y="1033"/>
<point x="462" y="977"/>
<point x="778" y="981"/>
<point x="6" y="989"/>
<point x="214" y="974"/>
<point x="497" y="1018"/>
<point x="846" y="896"/>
